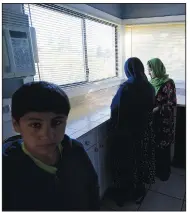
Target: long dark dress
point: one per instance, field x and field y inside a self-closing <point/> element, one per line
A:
<point x="132" y="138"/>
<point x="133" y="146"/>
<point x="164" y="128"/>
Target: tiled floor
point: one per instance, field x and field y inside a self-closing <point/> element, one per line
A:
<point x="162" y="196"/>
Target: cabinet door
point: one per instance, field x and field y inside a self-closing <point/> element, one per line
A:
<point x="89" y="139"/>
<point x="101" y="170"/>
<point x="94" y="157"/>
<point x="105" y="174"/>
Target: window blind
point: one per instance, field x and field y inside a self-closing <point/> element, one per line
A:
<point x="60" y="45"/>
<point x="165" y="41"/>
<point x="101" y="50"/>
<point x="72" y="47"/>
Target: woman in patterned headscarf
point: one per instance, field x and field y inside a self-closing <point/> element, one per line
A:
<point x="163" y="116"/>
<point x="132" y="140"/>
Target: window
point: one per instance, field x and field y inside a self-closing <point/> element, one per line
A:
<point x="101" y="50"/>
<point x="165" y="41"/>
<point x="71" y="48"/>
<point x="60" y="46"/>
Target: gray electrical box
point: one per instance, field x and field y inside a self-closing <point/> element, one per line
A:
<point x="18" y="56"/>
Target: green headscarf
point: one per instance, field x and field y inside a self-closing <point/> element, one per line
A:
<point x="159" y="71"/>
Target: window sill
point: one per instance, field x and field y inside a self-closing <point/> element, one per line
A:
<point x="92" y="87"/>
<point x="181" y="100"/>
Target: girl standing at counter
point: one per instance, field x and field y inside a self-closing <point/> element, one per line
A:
<point x="163" y="116"/>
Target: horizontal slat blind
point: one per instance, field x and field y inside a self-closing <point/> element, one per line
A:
<point x="60" y="45"/>
<point x="101" y="50"/>
<point x="165" y="41"/>
<point x="73" y="47"/>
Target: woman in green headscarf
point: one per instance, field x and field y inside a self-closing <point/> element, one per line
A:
<point x="163" y="116"/>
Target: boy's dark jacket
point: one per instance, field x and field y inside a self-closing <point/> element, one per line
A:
<point x="28" y="187"/>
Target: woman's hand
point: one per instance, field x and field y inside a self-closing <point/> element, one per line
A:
<point x="156" y="109"/>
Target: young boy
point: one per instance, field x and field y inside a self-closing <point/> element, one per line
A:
<point x="45" y="169"/>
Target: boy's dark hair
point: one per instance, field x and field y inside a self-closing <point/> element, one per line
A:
<point x="39" y="97"/>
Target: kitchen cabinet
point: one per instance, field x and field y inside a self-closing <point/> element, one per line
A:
<point x="179" y="159"/>
<point x="95" y="144"/>
<point x="89" y="139"/>
<point x="93" y="154"/>
<point x="104" y="171"/>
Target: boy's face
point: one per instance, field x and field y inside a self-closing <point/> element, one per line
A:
<point x="41" y="131"/>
